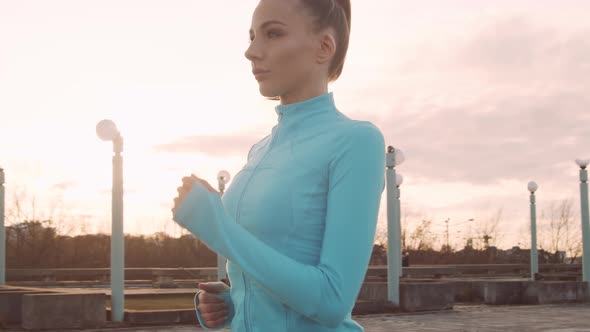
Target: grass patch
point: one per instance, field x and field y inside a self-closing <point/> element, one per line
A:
<point x="158" y="303"/>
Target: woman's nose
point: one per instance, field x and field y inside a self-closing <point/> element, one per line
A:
<point x="252" y="53"/>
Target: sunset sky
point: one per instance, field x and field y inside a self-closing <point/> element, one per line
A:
<point x="482" y="97"/>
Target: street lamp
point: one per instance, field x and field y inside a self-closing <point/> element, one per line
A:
<point x="107" y="131"/>
<point x="399" y="179"/>
<point x="223" y="178"/>
<point x="2" y="234"/>
<point x="394" y="157"/>
<point x="448" y="246"/>
<point x="583" y="163"/>
<point x="532" y="186"/>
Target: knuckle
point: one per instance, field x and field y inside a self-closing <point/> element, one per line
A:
<point x="208" y="315"/>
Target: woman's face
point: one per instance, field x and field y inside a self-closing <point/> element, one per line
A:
<point x="283" y="47"/>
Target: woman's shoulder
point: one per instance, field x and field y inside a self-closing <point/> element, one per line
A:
<point x="330" y="141"/>
<point x="348" y="125"/>
<point x="350" y="130"/>
<point x="365" y="127"/>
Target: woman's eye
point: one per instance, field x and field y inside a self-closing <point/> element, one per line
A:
<point x="270" y="35"/>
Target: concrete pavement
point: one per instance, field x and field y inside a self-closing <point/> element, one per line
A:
<point x="463" y="318"/>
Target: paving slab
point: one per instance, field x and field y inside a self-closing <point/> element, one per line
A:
<point x="473" y="318"/>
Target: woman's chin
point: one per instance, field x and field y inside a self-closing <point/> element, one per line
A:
<point x="266" y="91"/>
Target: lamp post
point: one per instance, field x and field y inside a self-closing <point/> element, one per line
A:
<point x="583" y="163"/>
<point x="448" y="246"/>
<point x="399" y="179"/>
<point x="2" y="234"/>
<point x="107" y="131"/>
<point x="223" y="178"/>
<point x="394" y="157"/>
<point x="532" y="186"/>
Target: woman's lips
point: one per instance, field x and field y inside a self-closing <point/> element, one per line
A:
<point x="260" y="74"/>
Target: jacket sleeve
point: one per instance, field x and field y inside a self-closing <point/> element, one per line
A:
<point x="325" y="292"/>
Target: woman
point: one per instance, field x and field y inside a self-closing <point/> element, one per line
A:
<point x="298" y="221"/>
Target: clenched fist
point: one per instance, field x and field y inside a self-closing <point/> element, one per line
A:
<point x="213" y="309"/>
<point x="187" y="184"/>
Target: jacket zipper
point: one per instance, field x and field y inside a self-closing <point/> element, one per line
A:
<point x="246" y="284"/>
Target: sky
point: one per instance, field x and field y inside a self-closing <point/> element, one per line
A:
<point x="481" y="96"/>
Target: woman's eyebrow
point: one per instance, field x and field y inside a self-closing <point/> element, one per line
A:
<point x="267" y="23"/>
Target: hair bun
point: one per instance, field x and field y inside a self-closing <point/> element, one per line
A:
<point x="345" y="5"/>
<point x="342" y="3"/>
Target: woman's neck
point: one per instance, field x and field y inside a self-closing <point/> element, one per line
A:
<point x="307" y="91"/>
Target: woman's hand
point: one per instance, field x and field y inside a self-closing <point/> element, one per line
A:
<point x="213" y="309"/>
<point x="187" y="184"/>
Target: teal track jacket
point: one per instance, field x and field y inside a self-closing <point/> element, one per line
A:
<point x="297" y="223"/>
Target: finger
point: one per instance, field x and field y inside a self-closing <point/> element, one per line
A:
<point x="212" y="307"/>
<point x="210" y="298"/>
<point x="181" y="190"/>
<point x="188" y="181"/>
<point x="213" y="286"/>
<point x="203" y="182"/>
<point x="217" y="322"/>
<point x="190" y="178"/>
<point x="213" y="316"/>
<point x="188" y="184"/>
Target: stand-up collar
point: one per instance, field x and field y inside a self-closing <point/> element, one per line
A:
<point x="308" y="107"/>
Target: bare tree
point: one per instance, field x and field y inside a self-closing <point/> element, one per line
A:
<point x="38" y="225"/>
<point x="381" y="231"/>
<point x="404" y="230"/>
<point x="524" y="235"/>
<point x="422" y="238"/>
<point x="559" y="232"/>
<point x="487" y="230"/>
<point x="381" y="236"/>
<point x="25" y="206"/>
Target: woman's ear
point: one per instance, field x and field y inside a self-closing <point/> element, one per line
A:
<point x="327" y="47"/>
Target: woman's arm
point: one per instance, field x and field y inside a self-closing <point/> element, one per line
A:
<point x="325" y="292"/>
